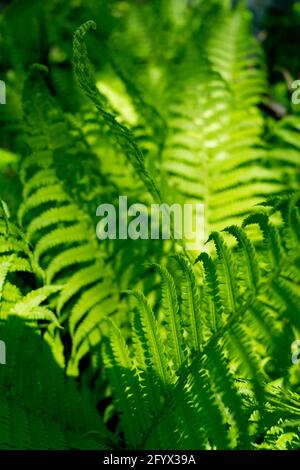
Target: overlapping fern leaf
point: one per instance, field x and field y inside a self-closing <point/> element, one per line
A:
<point x="200" y="374"/>
<point x="214" y="148"/>
<point x="58" y="221"/>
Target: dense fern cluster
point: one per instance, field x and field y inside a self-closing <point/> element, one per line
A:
<point x="141" y="344"/>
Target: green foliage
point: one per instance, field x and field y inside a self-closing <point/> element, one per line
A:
<point x="16" y="259"/>
<point x="164" y="102"/>
<point x="221" y="385"/>
<point x="39" y="408"/>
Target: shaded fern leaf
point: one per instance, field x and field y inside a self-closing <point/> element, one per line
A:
<point x="32" y="378"/>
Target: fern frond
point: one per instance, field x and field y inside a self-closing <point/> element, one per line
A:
<point x="63" y="242"/>
<point x="240" y="59"/>
<point x="123" y="136"/>
<point x="29" y="306"/>
<point x="190" y="305"/>
<point x="32" y="378"/>
<point x="227" y="273"/>
<point x="223" y="385"/>
<point x="215" y="307"/>
<point x="125" y="383"/>
<point x="156" y="350"/>
<point x="252" y="275"/>
<point x="173" y="321"/>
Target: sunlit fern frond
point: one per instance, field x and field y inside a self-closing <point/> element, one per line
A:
<point x="58" y="221"/>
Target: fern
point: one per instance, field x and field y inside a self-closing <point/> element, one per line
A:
<point x="123" y="135"/>
<point x="16" y="259"/>
<point x="32" y="380"/>
<point x="61" y="236"/>
<point x="203" y="385"/>
<point x="140" y="344"/>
